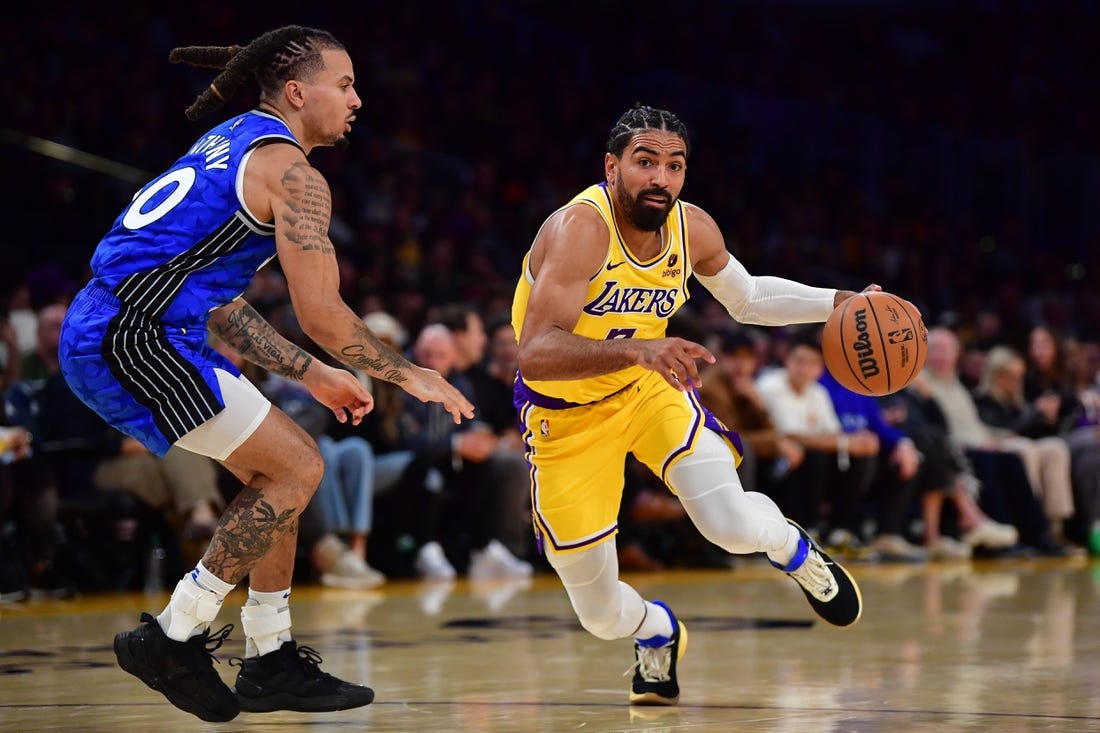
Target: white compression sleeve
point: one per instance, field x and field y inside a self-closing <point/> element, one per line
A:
<point x="740" y="522"/>
<point x="606" y="607"/>
<point x="767" y="300"/>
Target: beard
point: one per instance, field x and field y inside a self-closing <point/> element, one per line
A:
<point x="341" y="143"/>
<point x="640" y="214"/>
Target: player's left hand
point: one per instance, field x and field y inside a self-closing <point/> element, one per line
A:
<point x="428" y="385"/>
<point x="340" y="391"/>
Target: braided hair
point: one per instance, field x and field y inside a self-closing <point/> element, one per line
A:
<point x="641" y="117"/>
<point x="290" y="52"/>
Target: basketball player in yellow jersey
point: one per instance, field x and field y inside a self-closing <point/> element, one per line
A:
<point x="598" y="379"/>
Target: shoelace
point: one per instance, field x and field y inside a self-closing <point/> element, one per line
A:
<point x="310" y="662"/>
<point x="211" y="642"/>
<point x="653" y="663"/>
<point x="310" y="656"/>
<point x="815" y="574"/>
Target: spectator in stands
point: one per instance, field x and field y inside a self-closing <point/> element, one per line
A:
<point x="1007" y="494"/>
<point x="10" y="359"/>
<point x="487" y="363"/>
<point x="944" y="476"/>
<point x="41" y="361"/>
<point x="463" y="455"/>
<point x="1045" y="385"/>
<point x="838" y="466"/>
<point x="893" y="471"/>
<point x="29" y="529"/>
<point x="21" y="316"/>
<point x="1082" y="360"/>
<point x="729" y="391"/>
<point x="1029" y="429"/>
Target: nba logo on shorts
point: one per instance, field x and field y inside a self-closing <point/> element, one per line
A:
<point x="544" y="428"/>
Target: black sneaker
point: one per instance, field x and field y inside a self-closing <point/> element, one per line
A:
<point x="655" y="666"/>
<point x="183" y="671"/>
<point x="831" y="591"/>
<point x="51" y="583"/>
<point x="289" y="678"/>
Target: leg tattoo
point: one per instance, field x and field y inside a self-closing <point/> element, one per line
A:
<point x="246" y="531"/>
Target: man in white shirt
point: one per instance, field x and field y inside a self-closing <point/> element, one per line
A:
<point x="837" y="467"/>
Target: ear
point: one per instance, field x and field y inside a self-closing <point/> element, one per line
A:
<point x="610" y="167"/>
<point x="294" y="94"/>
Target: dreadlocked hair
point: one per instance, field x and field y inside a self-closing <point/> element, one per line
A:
<point x="641" y="117"/>
<point x="290" y="52"/>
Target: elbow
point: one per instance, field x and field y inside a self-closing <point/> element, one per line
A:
<point x="535" y="361"/>
<point x="316" y="329"/>
<point x="320" y="335"/>
<point x="322" y="325"/>
<point x="742" y="312"/>
<point x="529" y="365"/>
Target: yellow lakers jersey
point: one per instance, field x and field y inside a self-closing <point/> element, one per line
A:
<point x="627" y="298"/>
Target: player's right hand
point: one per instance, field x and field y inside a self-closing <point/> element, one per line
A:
<point x="427" y="385"/>
<point x="674" y="359"/>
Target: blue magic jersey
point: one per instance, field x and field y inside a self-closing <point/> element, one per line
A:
<point x="186" y="243"/>
<point x="134" y="346"/>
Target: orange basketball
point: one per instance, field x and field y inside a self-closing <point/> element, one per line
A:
<point x="874" y="343"/>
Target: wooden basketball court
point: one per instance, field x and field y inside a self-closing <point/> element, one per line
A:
<point x="1003" y="646"/>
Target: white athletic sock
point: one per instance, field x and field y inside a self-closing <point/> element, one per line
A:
<point x="786" y="553"/>
<point x="194" y="605"/>
<point x="656" y="623"/>
<point x="266" y="621"/>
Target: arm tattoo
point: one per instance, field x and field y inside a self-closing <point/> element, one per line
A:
<point x="255" y="339"/>
<point x="247" y="530"/>
<point x="385" y="363"/>
<point x="309" y="207"/>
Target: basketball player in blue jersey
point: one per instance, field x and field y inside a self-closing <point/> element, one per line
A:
<point x="598" y="379"/>
<point x="134" y="348"/>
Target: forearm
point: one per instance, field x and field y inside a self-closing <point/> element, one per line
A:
<point x="558" y="355"/>
<point x="824" y="443"/>
<point x="767" y="300"/>
<point x="348" y="340"/>
<point x="246" y="332"/>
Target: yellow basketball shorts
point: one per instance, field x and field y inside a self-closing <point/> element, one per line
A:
<point x="577" y="453"/>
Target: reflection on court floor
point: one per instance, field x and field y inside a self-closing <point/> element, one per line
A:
<point x="1001" y="645"/>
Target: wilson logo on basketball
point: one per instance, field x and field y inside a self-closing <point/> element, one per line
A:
<point x="868" y="364"/>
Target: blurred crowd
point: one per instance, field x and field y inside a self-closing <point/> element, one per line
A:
<point x="992" y="451"/>
<point x="948" y="152"/>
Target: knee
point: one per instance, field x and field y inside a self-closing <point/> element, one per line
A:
<point x="601" y="628"/>
<point x="304" y="470"/>
<point x="311" y="467"/>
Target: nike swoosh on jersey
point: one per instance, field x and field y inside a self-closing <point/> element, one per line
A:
<point x="613" y="265"/>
